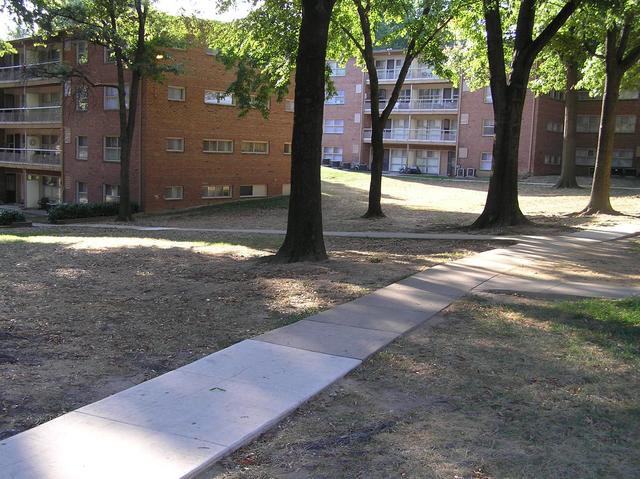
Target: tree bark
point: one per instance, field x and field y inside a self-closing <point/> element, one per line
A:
<point x="124" y="209"/>
<point x="304" y="240"/>
<point x="568" y="170"/>
<point x="374" y="209"/>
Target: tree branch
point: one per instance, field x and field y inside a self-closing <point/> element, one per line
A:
<point x="552" y="28"/>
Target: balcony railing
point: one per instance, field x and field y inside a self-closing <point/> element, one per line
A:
<point x="25" y="72"/>
<point x="414" y="73"/>
<point x="417" y="135"/>
<point x="37" y="114"/>
<point x="31" y="157"/>
<point x="418" y="105"/>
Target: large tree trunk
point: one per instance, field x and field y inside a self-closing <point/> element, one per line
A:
<point x="502" y="207"/>
<point x="374" y="209"/>
<point x="124" y="209"/>
<point x="568" y="172"/>
<point x="599" y="201"/>
<point x="304" y="240"/>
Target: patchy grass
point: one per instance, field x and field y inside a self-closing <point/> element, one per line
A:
<point x="509" y="387"/>
<point x="89" y="312"/>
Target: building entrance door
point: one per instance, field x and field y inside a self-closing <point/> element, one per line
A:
<point x="10" y="187"/>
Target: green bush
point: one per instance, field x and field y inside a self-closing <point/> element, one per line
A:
<point x="85" y="210"/>
<point x="10" y="216"/>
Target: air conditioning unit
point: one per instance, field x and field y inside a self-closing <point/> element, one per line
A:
<point x="460" y="172"/>
<point x="471" y="172"/>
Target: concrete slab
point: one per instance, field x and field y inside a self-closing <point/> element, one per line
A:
<point x="79" y="446"/>
<point x="334" y="339"/>
<point x="452" y="280"/>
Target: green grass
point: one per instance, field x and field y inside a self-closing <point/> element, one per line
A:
<point x="275" y="202"/>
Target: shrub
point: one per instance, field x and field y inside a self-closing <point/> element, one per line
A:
<point x="85" y="210"/>
<point x="10" y="216"/>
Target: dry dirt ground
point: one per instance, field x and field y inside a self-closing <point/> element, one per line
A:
<point x="505" y="386"/>
<point x="413" y="204"/>
<point x="87" y="313"/>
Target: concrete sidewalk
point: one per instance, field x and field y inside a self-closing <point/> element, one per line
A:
<point x="178" y="424"/>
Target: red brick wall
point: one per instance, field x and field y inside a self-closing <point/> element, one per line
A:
<point x="96" y="123"/>
<point x="547" y="142"/>
<point x="195" y="121"/>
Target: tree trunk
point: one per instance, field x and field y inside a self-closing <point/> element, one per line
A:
<point x="124" y="209"/>
<point x="304" y="240"/>
<point x="502" y="207"/>
<point x="568" y="172"/>
<point x="374" y="209"/>
<point x="599" y="202"/>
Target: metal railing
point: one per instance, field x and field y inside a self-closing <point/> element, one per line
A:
<point x="414" y="73"/>
<point x="24" y="72"/>
<point x="404" y="104"/>
<point x="36" y="114"/>
<point x="31" y="156"/>
<point x="422" y="134"/>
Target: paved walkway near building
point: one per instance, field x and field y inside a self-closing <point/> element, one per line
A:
<point x="178" y="424"/>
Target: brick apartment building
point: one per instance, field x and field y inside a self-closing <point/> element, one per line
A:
<point x="448" y="132"/>
<point x="60" y="140"/>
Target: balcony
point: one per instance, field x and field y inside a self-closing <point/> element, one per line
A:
<point x="35" y="115"/>
<point x="27" y="158"/>
<point x="34" y="71"/>
<point x="418" y="136"/>
<point x="408" y="106"/>
<point x="414" y="73"/>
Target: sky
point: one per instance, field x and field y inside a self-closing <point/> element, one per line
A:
<point x="203" y="9"/>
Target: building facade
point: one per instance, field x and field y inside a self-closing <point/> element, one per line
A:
<point x="447" y="132"/>
<point x="60" y="140"/>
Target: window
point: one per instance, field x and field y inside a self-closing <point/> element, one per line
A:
<point x="217" y="146"/>
<point x="111" y="193"/>
<point x="253" y="190"/>
<point x="336" y="70"/>
<point x="332" y="153"/>
<point x="629" y="95"/>
<point x="356" y="117"/>
<point x="587" y="124"/>
<point x="111" y="101"/>
<point x="111" y="148"/>
<point x="622" y="159"/>
<point x="557" y="95"/>
<point x="555" y="126"/>
<point x="212" y="97"/>
<point x="173" y="193"/>
<point x="584" y="96"/>
<point x="488" y="128"/>
<point x="109" y="55"/>
<point x="552" y="159"/>
<point x="82" y="192"/>
<point x="287" y="148"/>
<point x="334" y="126"/>
<point x="176" y="93"/>
<point x="336" y="99"/>
<point x="216" y="191"/>
<point x="175" y="144"/>
<point x="82" y="148"/>
<point x="487" y="95"/>
<point x="82" y="98"/>
<point x="486" y="161"/>
<point x="625" y="123"/>
<point x="82" y="52"/>
<point x="289" y="105"/>
<point x="255" y="147"/>
<point x="585" y="156"/>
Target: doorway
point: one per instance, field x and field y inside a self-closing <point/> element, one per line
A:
<point x="10" y="187"/>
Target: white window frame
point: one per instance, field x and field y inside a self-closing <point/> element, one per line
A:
<point x="79" y="148"/>
<point x="587" y="123"/>
<point x="488" y="123"/>
<point x="252" y="150"/>
<point x="589" y="154"/>
<point x="217" y="142"/>
<point x="110" y="148"/>
<point x="86" y="192"/>
<point x="485" y="157"/>
<point x="336" y="70"/>
<point x="168" y="148"/>
<point x="487" y="96"/>
<point x="622" y="155"/>
<point x="629" y="95"/>
<point x="216" y="97"/>
<point x="172" y="189"/>
<point x="115" y="198"/>
<point x="286" y="149"/>
<point x="82" y="93"/>
<point x="109" y="57"/>
<point x="336" y="99"/>
<point x="181" y="89"/>
<point x="106" y="89"/>
<point x="252" y="195"/>
<point x="332" y="153"/>
<point x="334" y="127"/>
<point x="289" y="105"/>
<point x="205" y="188"/>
